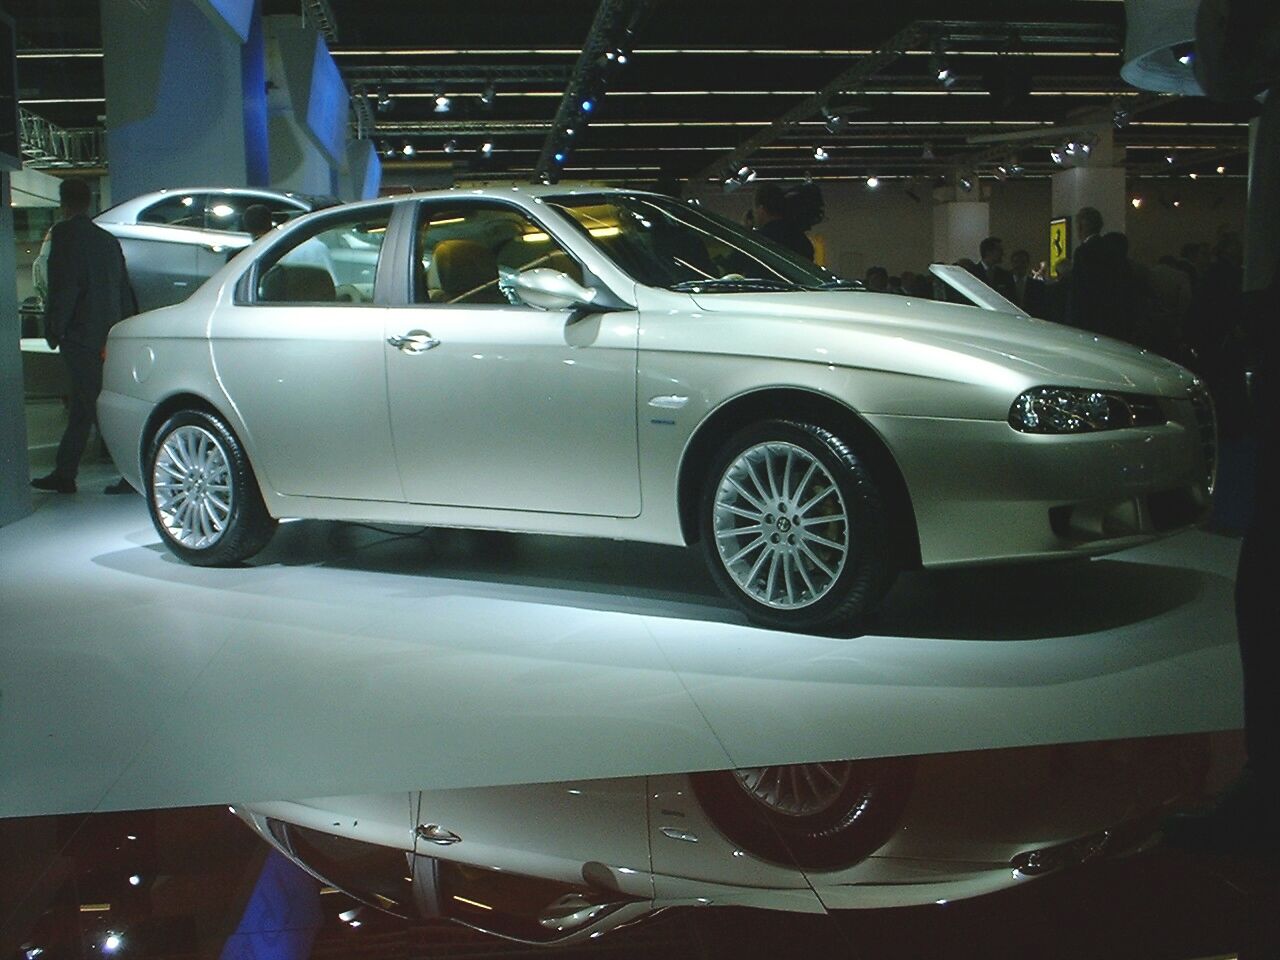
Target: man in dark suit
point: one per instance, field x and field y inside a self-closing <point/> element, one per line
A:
<point x="1095" y="295"/>
<point x="89" y="293"/>
<point x="774" y="220"/>
<point x="1028" y="292"/>
<point x="988" y="269"/>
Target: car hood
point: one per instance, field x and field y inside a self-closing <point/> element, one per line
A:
<point x="855" y="323"/>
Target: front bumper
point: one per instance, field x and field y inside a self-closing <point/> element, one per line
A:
<point x="985" y="493"/>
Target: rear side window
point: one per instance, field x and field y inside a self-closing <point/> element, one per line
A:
<point x="225" y="212"/>
<point x="334" y="261"/>
<point x="177" y="210"/>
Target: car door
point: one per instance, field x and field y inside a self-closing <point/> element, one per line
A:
<point x="499" y="405"/>
<point x="307" y="370"/>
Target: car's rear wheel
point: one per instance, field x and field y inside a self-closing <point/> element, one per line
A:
<point x="795" y="529"/>
<point x="203" y="497"/>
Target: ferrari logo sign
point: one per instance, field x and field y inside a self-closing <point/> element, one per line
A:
<point x="1059" y="243"/>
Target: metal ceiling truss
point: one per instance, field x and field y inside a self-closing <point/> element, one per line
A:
<point x="46" y="145"/>
<point x="466" y="75"/>
<point x="319" y="14"/>
<point x="615" y="27"/>
<point x="925" y="35"/>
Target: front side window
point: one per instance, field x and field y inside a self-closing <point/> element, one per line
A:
<point x="335" y="261"/>
<point x="664" y="243"/>
<point x="177" y="210"/>
<point x="470" y="253"/>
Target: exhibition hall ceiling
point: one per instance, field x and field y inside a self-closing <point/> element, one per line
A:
<point x="994" y="94"/>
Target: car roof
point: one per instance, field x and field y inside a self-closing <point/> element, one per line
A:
<point x="127" y="212"/>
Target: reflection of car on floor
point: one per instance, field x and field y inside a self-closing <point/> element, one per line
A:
<point x="620" y="364"/>
<point x="563" y="862"/>
<point x="174" y="240"/>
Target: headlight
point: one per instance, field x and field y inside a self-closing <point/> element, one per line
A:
<point x="1072" y="410"/>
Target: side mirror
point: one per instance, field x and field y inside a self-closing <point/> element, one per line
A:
<point x="550" y="289"/>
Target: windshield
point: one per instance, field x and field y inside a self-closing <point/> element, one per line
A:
<point x="665" y="243"/>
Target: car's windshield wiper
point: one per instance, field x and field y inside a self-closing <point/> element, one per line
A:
<point x="730" y="284"/>
<point x="839" y="283"/>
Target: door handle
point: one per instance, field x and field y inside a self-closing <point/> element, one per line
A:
<point x="416" y="341"/>
<point x="434" y="833"/>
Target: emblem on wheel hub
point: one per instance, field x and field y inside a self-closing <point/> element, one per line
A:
<point x="784" y="525"/>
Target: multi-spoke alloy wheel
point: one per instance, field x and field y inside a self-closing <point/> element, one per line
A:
<point x="794" y="528"/>
<point x="204" y="499"/>
<point x="191" y="487"/>
<point x="798" y="789"/>
<point x="781" y="526"/>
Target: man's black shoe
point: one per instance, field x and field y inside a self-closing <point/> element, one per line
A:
<point x="120" y="486"/>
<point x="1244" y="822"/>
<point x="54" y="484"/>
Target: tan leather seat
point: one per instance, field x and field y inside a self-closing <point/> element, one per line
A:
<point x="468" y="272"/>
<point x="285" y="283"/>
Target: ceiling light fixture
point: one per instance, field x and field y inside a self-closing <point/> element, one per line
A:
<point x="873" y="182"/>
<point x="1221" y="169"/>
<point x="443" y="103"/>
<point x="835" y="122"/>
<point x="966" y="183"/>
<point x="1136" y="203"/>
<point x="451" y="146"/>
<point x="820" y="154"/>
<point x="486" y="149"/>
<point x="408" y="149"/>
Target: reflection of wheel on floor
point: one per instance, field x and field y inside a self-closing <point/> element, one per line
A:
<point x="794" y="528"/>
<point x="813" y="815"/>
<point x="202" y="494"/>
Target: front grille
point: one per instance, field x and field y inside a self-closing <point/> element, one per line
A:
<point x="1207" y="427"/>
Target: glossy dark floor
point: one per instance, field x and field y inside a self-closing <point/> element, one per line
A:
<point x="1047" y="852"/>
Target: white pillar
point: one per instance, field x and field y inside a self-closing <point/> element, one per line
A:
<point x="959" y="227"/>
<point x="15" y="471"/>
<point x="1102" y="188"/>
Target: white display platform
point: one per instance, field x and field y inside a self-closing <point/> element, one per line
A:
<point x="348" y="661"/>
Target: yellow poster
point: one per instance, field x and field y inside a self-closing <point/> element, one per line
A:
<point x="1059" y="243"/>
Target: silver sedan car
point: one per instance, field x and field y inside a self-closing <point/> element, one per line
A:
<point x="620" y="364"/>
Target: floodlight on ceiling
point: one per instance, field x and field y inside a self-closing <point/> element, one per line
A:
<point x="820" y="154"/>
<point x="486" y="149"/>
<point x="1057" y="156"/>
<point x="966" y="183"/>
<point x="873" y="182"/>
<point x="559" y="157"/>
<point x="451" y="146"/>
<point x="384" y="100"/>
<point x="488" y="95"/>
<point x="1221" y="169"/>
<point x="588" y="105"/>
<point x="443" y="104"/>
<point x="834" y="121"/>
<point x="408" y="149"/>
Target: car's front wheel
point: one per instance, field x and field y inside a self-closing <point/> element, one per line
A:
<point x="203" y="497"/>
<point x="795" y="529"/>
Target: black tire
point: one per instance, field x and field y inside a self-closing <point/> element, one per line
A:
<point x="247" y="526"/>
<point x="852" y="825"/>
<point x="870" y="562"/>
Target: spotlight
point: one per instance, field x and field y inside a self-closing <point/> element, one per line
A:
<point x="443" y="104"/>
<point x="388" y="150"/>
<point x="384" y="100"/>
<point x="451" y="146"/>
<point x="1222" y="169"/>
<point x="135" y="880"/>
<point x="1185" y="53"/>
<point x="835" y="122"/>
<point x="1177" y="203"/>
<point x="588" y="105"/>
<point x="488" y="95"/>
<point x="1120" y="118"/>
<point x="1002" y="172"/>
<point x="112" y="943"/>
<point x="941" y="70"/>
<point x="820" y="154"/>
<point x="32" y="952"/>
<point x="569" y="131"/>
<point x="1016" y="169"/>
<point x="486" y="149"/>
<point x="926" y="153"/>
<point x="1194" y="176"/>
<point x="745" y="174"/>
<point x="873" y="182"/>
<point x="1170" y="158"/>
<point x="1136" y="203"/>
<point x="408" y="149"/>
<point x="559" y="157"/>
<point x="346" y="916"/>
<point x="947" y="77"/>
<point x="1057" y="157"/>
<point x="966" y="183"/>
